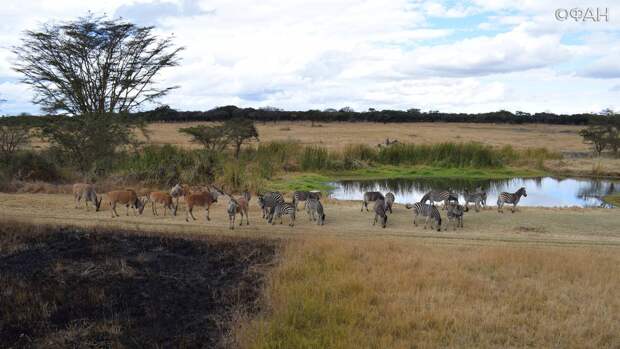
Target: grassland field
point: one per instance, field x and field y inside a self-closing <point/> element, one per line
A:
<point x="538" y="277"/>
<point x="541" y="277"/>
<point x="564" y="139"/>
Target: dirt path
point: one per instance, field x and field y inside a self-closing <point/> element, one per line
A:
<point x="569" y="226"/>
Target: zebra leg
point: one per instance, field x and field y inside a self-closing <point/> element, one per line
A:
<point x="426" y="222"/>
<point x="514" y="207"/>
<point x="292" y="220"/>
<point x="375" y="221"/>
<point x="191" y="212"/>
<point x="415" y="216"/>
<point x="364" y="203"/>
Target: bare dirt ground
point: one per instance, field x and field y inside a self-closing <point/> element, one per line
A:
<point x="566" y="226"/>
<point x="336" y="135"/>
<point x="66" y="287"/>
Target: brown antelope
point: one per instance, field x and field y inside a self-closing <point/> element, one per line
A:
<point x="237" y="206"/>
<point x="86" y="191"/>
<point x="127" y="197"/>
<point x="205" y="198"/>
<point x="161" y="197"/>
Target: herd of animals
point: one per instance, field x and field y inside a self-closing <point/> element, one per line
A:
<point x="273" y="205"/>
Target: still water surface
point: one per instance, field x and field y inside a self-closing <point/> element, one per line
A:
<point x="545" y="191"/>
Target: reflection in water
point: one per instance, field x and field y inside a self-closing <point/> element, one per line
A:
<point x="544" y="191"/>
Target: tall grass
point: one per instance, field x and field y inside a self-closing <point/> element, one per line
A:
<point x="378" y="294"/>
<point x="443" y="154"/>
<point x="314" y="158"/>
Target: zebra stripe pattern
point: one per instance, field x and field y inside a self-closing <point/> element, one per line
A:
<point x="510" y="198"/>
<point x="479" y="198"/>
<point x="455" y="215"/>
<point x="437" y="196"/>
<point x="380" y="209"/>
<point x="281" y="209"/>
<point x="371" y="196"/>
<point x="305" y="195"/>
<point x="268" y="201"/>
<point x="425" y="210"/>
<point x="314" y="208"/>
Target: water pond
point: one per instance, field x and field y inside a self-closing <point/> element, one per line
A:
<point x="544" y="191"/>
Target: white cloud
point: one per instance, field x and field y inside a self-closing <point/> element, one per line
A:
<point x="384" y="54"/>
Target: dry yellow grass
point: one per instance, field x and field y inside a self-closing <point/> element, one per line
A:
<point x="344" y="220"/>
<point x="336" y="135"/>
<point x="539" y="277"/>
<point x="352" y="294"/>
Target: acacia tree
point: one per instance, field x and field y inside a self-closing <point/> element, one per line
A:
<point x="239" y="131"/>
<point x="212" y="138"/>
<point x="603" y="132"/>
<point x="216" y="138"/>
<point x="93" y="70"/>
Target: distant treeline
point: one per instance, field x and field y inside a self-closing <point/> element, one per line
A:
<point x="167" y="114"/>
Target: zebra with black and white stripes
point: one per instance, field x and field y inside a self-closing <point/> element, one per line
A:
<point x="389" y="201"/>
<point x="438" y="196"/>
<point x="479" y="198"/>
<point x="455" y="215"/>
<point x="281" y="209"/>
<point x="510" y="198"/>
<point x="380" y="209"/>
<point x="315" y="211"/>
<point x="371" y="196"/>
<point x="425" y="210"/>
<point x="305" y="195"/>
<point x="268" y="201"/>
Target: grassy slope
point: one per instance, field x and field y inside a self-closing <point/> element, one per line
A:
<point x="392" y="294"/>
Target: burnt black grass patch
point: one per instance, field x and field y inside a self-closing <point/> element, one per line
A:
<point x="71" y="287"/>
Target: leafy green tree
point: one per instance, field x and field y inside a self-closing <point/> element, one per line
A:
<point x="239" y="131"/>
<point x="603" y="132"/>
<point x="94" y="71"/>
<point x="212" y="138"/>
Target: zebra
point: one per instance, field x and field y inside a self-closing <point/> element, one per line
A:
<point x="314" y="208"/>
<point x="425" y="210"/>
<point x="305" y="195"/>
<point x="371" y="196"/>
<point x="280" y="209"/>
<point x="435" y="195"/>
<point x="268" y="201"/>
<point x="389" y="201"/>
<point x="239" y="206"/>
<point x="479" y="199"/>
<point x="455" y="215"/>
<point x="510" y="198"/>
<point x="380" y="209"/>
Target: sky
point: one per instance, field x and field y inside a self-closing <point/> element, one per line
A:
<point x="452" y="56"/>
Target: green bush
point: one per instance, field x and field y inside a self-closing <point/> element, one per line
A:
<point x="443" y="154"/>
<point x="314" y="158"/>
<point x="31" y="166"/>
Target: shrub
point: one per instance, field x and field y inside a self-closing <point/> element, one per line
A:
<point x="31" y="166"/>
<point x="314" y="158"/>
